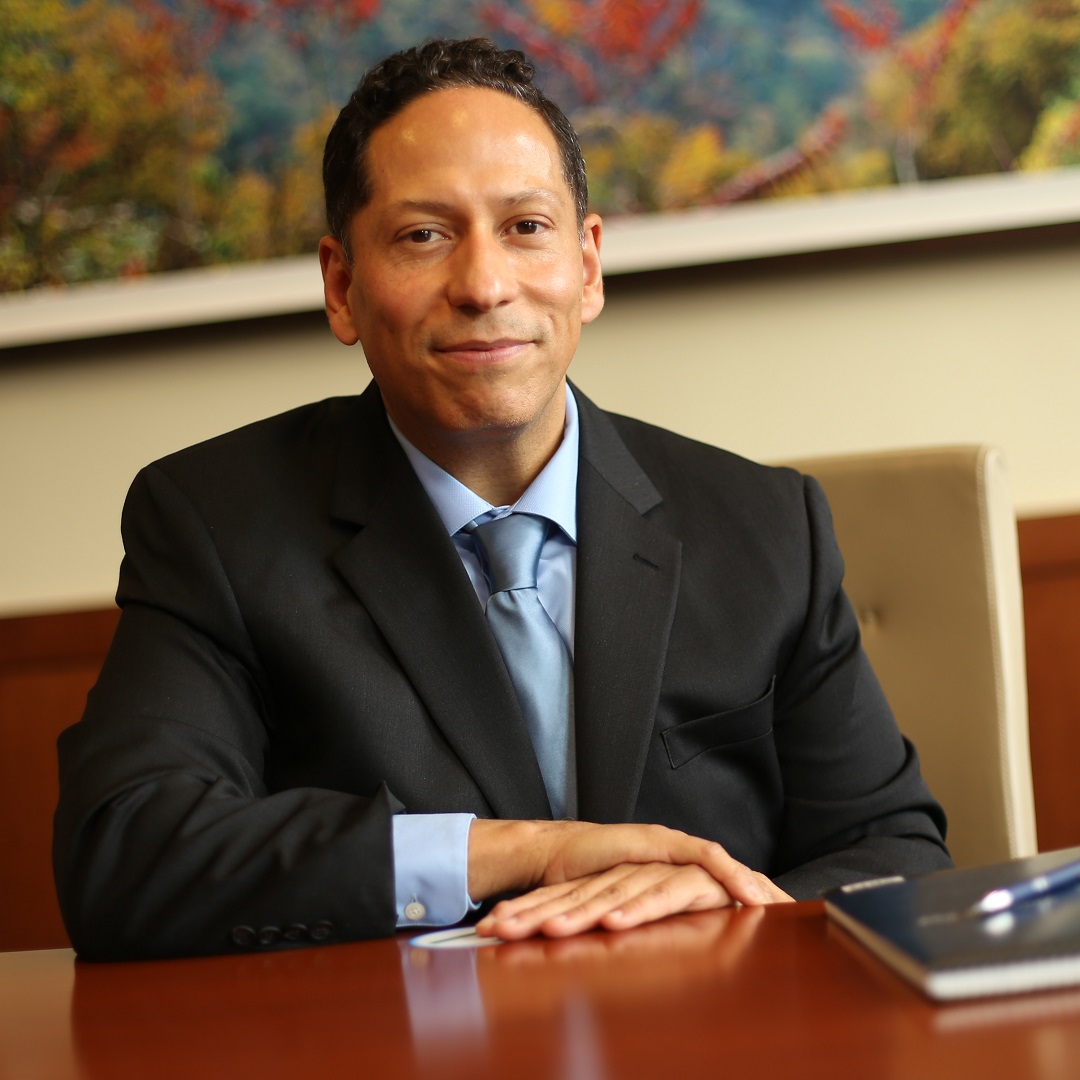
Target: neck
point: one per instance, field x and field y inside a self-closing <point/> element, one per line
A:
<point x="501" y="483"/>
<point x="498" y="464"/>
<point x="499" y="470"/>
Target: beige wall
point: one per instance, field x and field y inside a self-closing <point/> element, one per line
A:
<point x="971" y="342"/>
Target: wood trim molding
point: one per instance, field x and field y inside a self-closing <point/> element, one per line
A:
<point x="56" y="638"/>
<point x="1049" y="545"/>
<point x="48" y="662"/>
<point x="1050" y="571"/>
<point x="47" y="665"/>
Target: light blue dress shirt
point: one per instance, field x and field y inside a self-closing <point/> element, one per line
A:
<point x="431" y="851"/>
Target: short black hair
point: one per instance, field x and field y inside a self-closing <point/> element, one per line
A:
<point x="401" y="78"/>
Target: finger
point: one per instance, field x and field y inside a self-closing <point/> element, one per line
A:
<point x="551" y="895"/>
<point x="776" y="895"/>
<point x="676" y="889"/>
<point x="746" y="886"/>
<point x="523" y="915"/>
<point x="623" y="898"/>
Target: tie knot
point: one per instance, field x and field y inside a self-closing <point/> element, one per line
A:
<point x="511" y="545"/>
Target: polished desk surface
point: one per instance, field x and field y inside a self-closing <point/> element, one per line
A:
<point x="765" y="992"/>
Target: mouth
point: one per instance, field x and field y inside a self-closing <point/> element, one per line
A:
<point x="479" y="351"/>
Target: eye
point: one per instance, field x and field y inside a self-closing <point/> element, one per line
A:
<point x="529" y="228"/>
<point x="421" y="236"/>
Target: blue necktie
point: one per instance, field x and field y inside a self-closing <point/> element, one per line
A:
<point x="532" y="649"/>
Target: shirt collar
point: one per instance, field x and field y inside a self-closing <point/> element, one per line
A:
<point x="553" y="494"/>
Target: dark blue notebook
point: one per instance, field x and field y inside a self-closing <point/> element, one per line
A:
<point x="920" y="927"/>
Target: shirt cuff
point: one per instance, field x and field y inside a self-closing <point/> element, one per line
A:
<point x="431" y="869"/>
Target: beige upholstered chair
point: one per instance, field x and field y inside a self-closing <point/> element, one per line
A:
<point x="929" y="542"/>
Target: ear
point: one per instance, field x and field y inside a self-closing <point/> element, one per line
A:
<point x="592" y="287"/>
<point x="337" y="277"/>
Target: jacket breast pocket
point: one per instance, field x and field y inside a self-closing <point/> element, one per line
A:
<point x="721" y="731"/>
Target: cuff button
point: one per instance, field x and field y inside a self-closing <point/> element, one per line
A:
<point x="415" y="911"/>
<point x="244" y="936"/>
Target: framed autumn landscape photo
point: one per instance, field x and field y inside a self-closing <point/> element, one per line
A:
<point x="144" y="137"/>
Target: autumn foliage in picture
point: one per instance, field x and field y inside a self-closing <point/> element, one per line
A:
<point x="139" y="136"/>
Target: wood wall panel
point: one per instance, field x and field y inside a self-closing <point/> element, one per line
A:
<point x="49" y="662"/>
<point x="47" y="665"/>
<point x="1050" y="567"/>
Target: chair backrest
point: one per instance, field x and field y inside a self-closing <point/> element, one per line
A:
<point x="933" y="571"/>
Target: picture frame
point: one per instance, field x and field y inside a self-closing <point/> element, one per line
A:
<point x="635" y="244"/>
<point x="908" y="39"/>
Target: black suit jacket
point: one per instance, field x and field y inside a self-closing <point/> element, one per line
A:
<point x="301" y="655"/>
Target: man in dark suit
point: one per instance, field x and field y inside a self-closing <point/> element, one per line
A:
<point x="305" y="729"/>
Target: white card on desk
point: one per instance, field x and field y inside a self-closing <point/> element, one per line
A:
<point x="460" y="937"/>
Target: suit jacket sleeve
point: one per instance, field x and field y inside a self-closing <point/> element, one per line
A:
<point x="855" y="804"/>
<point x="300" y="656"/>
<point x="168" y="840"/>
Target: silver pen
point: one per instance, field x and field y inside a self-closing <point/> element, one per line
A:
<point x="1009" y="896"/>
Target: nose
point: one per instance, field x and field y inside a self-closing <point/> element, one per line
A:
<point x="482" y="274"/>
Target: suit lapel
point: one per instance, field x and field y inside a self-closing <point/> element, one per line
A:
<point x="627" y="583"/>
<point x="406" y="572"/>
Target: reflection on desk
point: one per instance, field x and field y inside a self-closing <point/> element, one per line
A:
<point x="474" y="1006"/>
<point x="772" y="991"/>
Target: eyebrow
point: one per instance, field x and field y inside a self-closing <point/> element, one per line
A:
<point x="439" y="206"/>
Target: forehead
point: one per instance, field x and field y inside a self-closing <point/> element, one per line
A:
<point x="447" y="135"/>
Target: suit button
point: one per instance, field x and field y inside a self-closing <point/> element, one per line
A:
<point x="415" y="911"/>
<point x="244" y="936"/>
<point x="296" y="931"/>
<point x="269" y="935"/>
<point x="322" y="930"/>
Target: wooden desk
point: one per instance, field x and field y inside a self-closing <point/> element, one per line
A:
<point x="767" y="992"/>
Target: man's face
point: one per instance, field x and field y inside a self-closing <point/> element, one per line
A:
<point x="469" y="281"/>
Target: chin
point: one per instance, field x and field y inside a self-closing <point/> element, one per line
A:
<point x="496" y="422"/>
